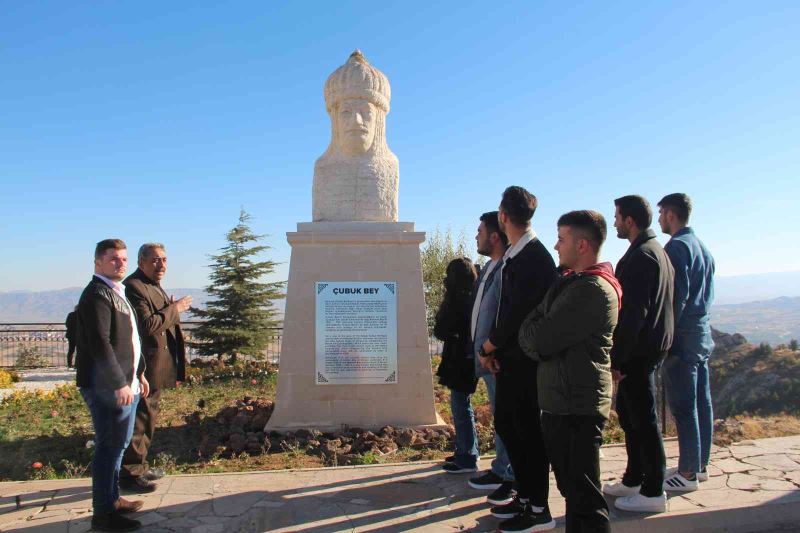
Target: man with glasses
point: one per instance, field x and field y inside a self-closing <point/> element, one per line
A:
<point x="158" y="317"/>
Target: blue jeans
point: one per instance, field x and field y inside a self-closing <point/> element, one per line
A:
<point x="467" y="453"/>
<point x="113" y="428"/>
<point x="501" y="465"/>
<point x="689" y="397"/>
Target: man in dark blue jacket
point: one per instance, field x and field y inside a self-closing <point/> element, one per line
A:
<point x="686" y="369"/>
<point x="526" y="274"/>
<point x="641" y="340"/>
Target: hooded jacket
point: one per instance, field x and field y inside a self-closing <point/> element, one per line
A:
<point x="570" y="335"/>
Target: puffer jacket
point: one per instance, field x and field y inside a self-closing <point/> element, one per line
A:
<point x="570" y="334"/>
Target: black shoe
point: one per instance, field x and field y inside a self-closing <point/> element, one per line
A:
<point x="528" y="521"/>
<point x="509" y="510"/>
<point x="114" y="522"/>
<point x="153" y="474"/>
<point x="137" y="484"/>
<point x="488" y="481"/>
<point x="503" y="494"/>
<point x="452" y="468"/>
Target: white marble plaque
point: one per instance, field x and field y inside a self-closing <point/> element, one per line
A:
<point x="356" y="332"/>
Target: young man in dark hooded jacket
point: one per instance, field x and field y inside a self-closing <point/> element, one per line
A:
<point x="569" y="334"/>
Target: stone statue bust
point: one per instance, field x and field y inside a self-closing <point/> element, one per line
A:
<point x="356" y="179"/>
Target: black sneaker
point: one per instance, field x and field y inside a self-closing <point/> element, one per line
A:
<point x="114" y="522"/>
<point x="502" y="494"/>
<point x="528" y="521"/>
<point x="509" y="510"/>
<point x="452" y="468"/>
<point x="488" y="481"/>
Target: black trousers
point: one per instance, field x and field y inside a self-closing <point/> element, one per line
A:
<point x="70" y="352"/>
<point x="134" y="462"/>
<point x="573" y="443"/>
<point x="636" y="407"/>
<point x="517" y="421"/>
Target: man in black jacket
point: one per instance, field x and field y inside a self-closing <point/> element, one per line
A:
<point x="164" y="351"/>
<point x="641" y="341"/>
<point x="111" y="379"/>
<point x="527" y="272"/>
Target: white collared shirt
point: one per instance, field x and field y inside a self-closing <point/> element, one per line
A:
<point x="137" y="344"/>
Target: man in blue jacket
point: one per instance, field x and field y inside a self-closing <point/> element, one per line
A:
<point x="686" y="368"/>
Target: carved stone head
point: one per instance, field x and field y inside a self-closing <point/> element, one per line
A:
<point x="356" y="179"/>
<point x="357" y="99"/>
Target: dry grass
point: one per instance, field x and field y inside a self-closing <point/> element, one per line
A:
<point x="746" y="427"/>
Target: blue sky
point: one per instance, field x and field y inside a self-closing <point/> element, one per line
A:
<point x="159" y="120"/>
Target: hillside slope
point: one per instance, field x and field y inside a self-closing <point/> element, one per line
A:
<point x="746" y="378"/>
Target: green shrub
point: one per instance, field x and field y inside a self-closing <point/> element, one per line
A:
<point x="30" y="357"/>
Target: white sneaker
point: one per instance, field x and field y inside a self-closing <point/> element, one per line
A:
<point x="677" y="483"/>
<point x="701" y="476"/>
<point x="620" y="489"/>
<point x="642" y="504"/>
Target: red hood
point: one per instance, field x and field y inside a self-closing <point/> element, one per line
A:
<point x="605" y="271"/>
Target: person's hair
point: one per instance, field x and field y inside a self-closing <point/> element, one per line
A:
<point x="108" y="244"/>
<point x="519" y="205"/>
<point x="679" y="203"/>
<point x="146" y="248"/>
<point x="460" y="276"/>
<point x="636" y="207"/>
<point x="490" y="220"/>
<point x="590" y="225"/>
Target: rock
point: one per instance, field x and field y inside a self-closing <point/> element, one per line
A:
<point x="237" y="443"/>
<point x="303" y="434"/>
<point x="406" y="438"/>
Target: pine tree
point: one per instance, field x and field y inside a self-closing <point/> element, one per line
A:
<point x="239" y="319"/>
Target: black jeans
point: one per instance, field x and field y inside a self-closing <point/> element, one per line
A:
<point x="636" y="407"/>
<point x="517" y="421"/>
<point x="573" y="443"/>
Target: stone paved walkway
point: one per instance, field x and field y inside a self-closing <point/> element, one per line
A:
<point x="753" y="486"/>
<point x="41" y="379"/>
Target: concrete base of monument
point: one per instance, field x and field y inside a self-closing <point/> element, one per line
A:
<point x="331" y="428"/>
<point x="364" y="252"/>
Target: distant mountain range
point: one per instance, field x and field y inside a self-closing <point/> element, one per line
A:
<point x="53" y="306"/>
<point x="775" y="320"/>
<point x="755" y="287"/>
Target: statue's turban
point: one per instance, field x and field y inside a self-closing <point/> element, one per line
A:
<point x="357" y="79"/>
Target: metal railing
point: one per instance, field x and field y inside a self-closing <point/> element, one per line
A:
<point x="44" y="344"/>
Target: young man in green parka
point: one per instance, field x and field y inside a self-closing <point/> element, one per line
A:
<point x="570" y="334"/>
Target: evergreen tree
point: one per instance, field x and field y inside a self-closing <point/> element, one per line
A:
<point x="239" y="319"/>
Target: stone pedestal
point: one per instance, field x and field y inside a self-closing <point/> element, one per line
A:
<point x="354" y="251"/>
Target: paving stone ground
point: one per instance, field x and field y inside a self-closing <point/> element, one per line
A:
<point x="753" y="486"/>
<point x="41" y="379"/>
